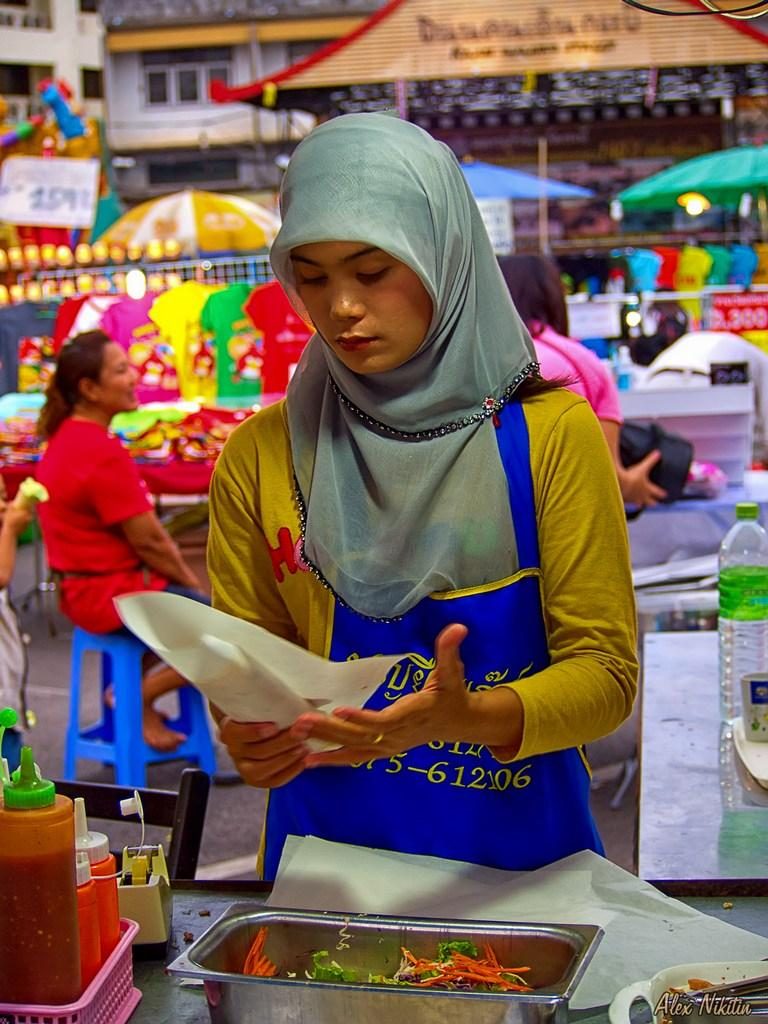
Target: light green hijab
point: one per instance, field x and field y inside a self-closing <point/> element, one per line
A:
<point x="398" y="474"/>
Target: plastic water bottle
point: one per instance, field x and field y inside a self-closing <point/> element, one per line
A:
<point x="624" y="369"/>
<point x="743" y="619"/>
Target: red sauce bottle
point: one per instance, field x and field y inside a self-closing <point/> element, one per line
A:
<point x="39" y="937"/>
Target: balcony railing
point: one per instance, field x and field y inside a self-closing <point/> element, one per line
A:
<point x="36" y="17"/>
<point x="117" y="14"/>
<point x="19" y="108"/>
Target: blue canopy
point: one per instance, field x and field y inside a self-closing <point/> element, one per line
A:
<point x="489" y="181"/>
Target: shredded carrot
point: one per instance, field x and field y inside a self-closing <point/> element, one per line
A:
<point x="459" y="969"/>
<point x="256" y="963"/>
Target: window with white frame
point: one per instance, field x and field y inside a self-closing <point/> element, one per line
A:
<point x="182" y="77"/>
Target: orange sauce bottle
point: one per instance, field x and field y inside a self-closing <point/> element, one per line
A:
<point x="88" y="922"/>
<point x="104" y="875"/>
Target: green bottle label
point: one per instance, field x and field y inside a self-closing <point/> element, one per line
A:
<point x="744" y="593"/>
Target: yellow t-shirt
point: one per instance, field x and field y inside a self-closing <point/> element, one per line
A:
<point x="588" y="599"/>
<point x="692" y="271"/>
<point x="177" y="316"/>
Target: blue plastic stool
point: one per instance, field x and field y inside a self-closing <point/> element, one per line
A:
<point x="117" y="738"/>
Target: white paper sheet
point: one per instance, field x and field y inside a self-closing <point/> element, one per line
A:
<point x="252" y="675"/>
<point x="645" y="931"/>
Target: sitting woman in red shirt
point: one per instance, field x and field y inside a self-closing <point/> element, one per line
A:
<point x="101" y="533"/>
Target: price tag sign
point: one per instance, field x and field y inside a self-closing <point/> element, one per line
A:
<point x="729" y="373"/>
<point x="56" y="192"/>
<point x="739" y="313"/>
<point x="497" y="217"/>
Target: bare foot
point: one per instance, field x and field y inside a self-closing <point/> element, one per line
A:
<point x="157" y="734"/>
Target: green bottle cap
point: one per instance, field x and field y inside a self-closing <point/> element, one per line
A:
<point x="747" y="510"/>
<point x="8" y="719"/>
<point x="27" y="790"/>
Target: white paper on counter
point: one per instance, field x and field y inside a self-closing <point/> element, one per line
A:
<point x="645" y="931"/>
<point x="251" y="674"/>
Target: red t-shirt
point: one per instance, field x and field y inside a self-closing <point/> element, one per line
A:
<point x="285" y="334"/>
<point x="93" y="486"/>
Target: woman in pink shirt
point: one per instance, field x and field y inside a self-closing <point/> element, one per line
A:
<point x="536" y="290"/>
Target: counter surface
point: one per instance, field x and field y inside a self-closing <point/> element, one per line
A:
<point x="692" y="527"/>
<point x="166" y="1001"/>
<point x="695" y="825"/>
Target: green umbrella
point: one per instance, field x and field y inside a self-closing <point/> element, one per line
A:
<point x="722" y="178"/>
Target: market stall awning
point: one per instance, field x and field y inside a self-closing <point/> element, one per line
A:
<point x="490" y="181"/>
<point x="418" y="40"/>
<point x="722" y="178"/>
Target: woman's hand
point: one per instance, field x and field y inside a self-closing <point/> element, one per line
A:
<point x="442" y="710"/>
<point x="636" y="485"/>
<point x="264" y="755"/>
<point x="267" y="756"/>
<point x="15" y="518"/>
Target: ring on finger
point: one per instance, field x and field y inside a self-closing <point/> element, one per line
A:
<point x="377" y="739"/>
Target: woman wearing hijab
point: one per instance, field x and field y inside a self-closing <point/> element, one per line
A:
<point x="421" y="490"/>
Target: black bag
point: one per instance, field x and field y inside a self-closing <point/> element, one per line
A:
<point x="636" y="440"/>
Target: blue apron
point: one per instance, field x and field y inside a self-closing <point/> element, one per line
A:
<point x="452" y="800"/>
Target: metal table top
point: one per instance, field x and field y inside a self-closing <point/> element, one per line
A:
<point x="195" y="906"/>
<point x="695" y="824"/>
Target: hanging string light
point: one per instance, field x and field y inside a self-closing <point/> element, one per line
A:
<point x="738" y="9"/>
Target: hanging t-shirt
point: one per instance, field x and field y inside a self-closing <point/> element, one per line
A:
<point x="761" y="270"/>
<point x="743" y="265"/>
<point x="721" y="264"/>
<point x="27" y="359"/>
<point x="80" y="314"/>
<point x="669" y="259"/>
<point x="239" y="346"/>
<point x="285" y="334"/>
<point x="644" y="266"/>
<point x="585" y="273"/>
<point x="692" y="271"/>
<point x="127" y="322"/>
<point x="177" y="315"/>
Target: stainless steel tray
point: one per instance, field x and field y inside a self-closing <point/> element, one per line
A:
<point x="558" y="955"/>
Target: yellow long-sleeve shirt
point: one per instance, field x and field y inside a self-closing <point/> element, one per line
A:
<point x="589" y="687"/>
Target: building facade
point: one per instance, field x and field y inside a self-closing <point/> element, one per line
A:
<point x="59" y="39"/>
<point x="160" y="56"/>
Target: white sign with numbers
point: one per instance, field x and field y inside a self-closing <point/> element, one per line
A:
<point x="497" y="217"/>
<point x="54" y="191"/>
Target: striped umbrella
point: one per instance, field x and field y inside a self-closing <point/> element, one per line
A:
<point x="203" y="223"/>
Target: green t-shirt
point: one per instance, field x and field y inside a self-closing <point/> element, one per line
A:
<point x="721" y="264"/>
<point x="239" y="345"/>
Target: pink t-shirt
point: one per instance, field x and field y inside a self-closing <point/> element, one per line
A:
<point x="127" y="322"/>
<point x="564" y="357"/>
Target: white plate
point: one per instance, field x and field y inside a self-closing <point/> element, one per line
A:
<point x="652" y="989"/>
<point x="753" y="755"/>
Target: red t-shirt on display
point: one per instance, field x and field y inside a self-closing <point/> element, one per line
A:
<point x="285" y="334"/>
<point x="94" y="486"/>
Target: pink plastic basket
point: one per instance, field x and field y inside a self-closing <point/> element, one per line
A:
<point x="109" y="999"/>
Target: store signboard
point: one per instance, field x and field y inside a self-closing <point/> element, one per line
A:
<point x="451" y="39"/>
<point x="49" y="191"/>
<point x="739" y="313"/>
<point x="497" y="217"/>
